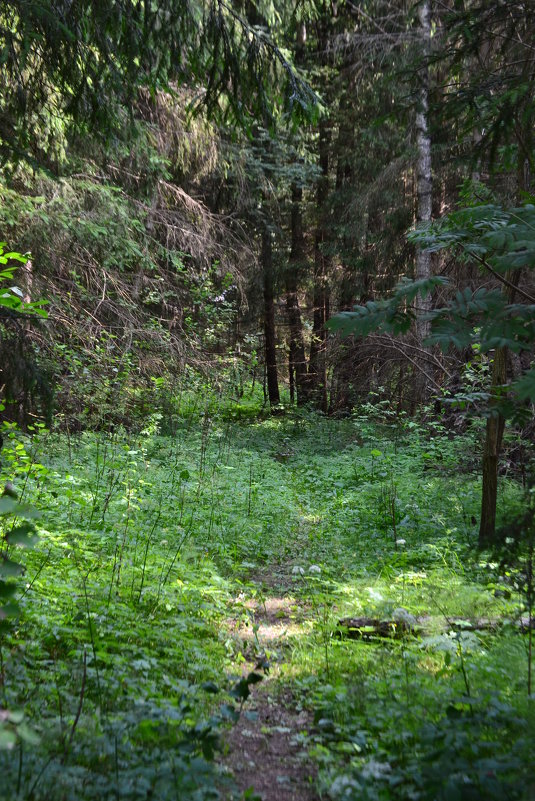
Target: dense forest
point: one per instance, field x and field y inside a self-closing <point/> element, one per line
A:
<point x="267" y="329"/>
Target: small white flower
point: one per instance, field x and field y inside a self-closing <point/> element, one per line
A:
<point x="298" y="571"/>
<point x="314" y="569"/>
<point x="375" y="594"/>
<point x="399" y="543"/>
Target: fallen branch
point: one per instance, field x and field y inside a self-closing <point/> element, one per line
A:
<point x="368" y="628"/>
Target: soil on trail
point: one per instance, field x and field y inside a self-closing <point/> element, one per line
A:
<point x="266" y="752"/>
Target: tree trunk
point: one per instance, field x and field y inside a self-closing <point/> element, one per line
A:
<point x="424" y="190"/>
<point x="491" y="454"/>
<point x="269" y="320"/>
<point x="496" y="424"/>
<point x="291" y="375"/>
<point x="297" y="258"/>
<point x="317" y="370"/>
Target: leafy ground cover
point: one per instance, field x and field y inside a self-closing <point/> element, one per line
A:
<point x="172" y="573"/>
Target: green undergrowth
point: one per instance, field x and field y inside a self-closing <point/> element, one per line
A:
<point x="122" y="671"/>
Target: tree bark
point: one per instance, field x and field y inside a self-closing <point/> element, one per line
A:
<point x="317" y="370"/>
<point x="491" y="454"/>
<point x="269" y="320"/>
<point x="297" y="365"/>
<point x="424" y="191"/>
<point x="297" y="258"/>
<point x="496" y="423"/>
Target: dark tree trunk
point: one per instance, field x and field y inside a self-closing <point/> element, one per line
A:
<point x="344" y="354"/>
<point x="317" y="368"/>
<point x="496" y="424"/>
<point x="269" y="320"/>
<point x="291" y="376"/>
<point x="491" y="454"/>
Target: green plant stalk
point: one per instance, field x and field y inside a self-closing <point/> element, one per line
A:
<point x="92" y="638"/>
<point x="146" y="553"/>
<point x="123" y="541"/>
<point x="78" y="711"/>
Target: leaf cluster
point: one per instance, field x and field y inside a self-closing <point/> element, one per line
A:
<point x="85" y="62"/>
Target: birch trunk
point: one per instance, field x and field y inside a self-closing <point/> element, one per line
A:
<point x="317" y="371"/>
<point x="424" y="191"/>
<point x="298" y="365"/>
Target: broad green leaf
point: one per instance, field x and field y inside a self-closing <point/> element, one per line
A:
<point x="22" y="535"/>
<point x="9" y="568"/>
<point x="8" y="739"/>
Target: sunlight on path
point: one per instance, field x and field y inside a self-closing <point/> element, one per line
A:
<point x="273" y="620"/>
<point x="265" y="748"/>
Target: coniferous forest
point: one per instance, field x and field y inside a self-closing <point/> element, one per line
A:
<point x="267" y="387"/>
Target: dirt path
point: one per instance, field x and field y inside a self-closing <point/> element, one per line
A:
<point x="265" y="748"/>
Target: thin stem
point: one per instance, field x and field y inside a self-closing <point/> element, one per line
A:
<point x="484" y="263"/>
<point x="78" y="711"/>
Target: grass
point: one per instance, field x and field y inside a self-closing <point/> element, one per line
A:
<point x="123" y="662"/>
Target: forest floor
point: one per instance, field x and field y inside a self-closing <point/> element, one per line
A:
<point x="186" y="593"/>
<point x="266" y="751"/>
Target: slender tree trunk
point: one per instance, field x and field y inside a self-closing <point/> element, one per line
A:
<point x="491" y="454"/>
<point x="494" y="436"/>
<point x="297" y="258"/>
<point x="317" y="369"/>
<point x="291" y="375"/>
<point x="27" y="272"/>
<point x="496" y="424"/>
<point x="424" y="190"/>
<point x="297" y="366"/>
<point x="269" y="320"/>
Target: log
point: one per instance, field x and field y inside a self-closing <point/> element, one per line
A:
<point x="403" y="624"/>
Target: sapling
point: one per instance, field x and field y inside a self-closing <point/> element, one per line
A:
<point x="388" y="498"/>
<point x="205" y="436"/>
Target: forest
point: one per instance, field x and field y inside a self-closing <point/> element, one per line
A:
<point x="267" y="391"/>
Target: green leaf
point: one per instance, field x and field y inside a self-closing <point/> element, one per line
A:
<point x="8" y="739"/>
<point x="210" y="687"/>
<point x="8" y="505"/>
<point x="23" y="535"/>
<point x="524" y="388"/>
<point x="7" y="590"/>
<point x="9" y="568"/>
<point x="28" y="735"/>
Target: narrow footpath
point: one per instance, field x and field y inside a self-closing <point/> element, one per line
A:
<point x="265" y="750"/>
